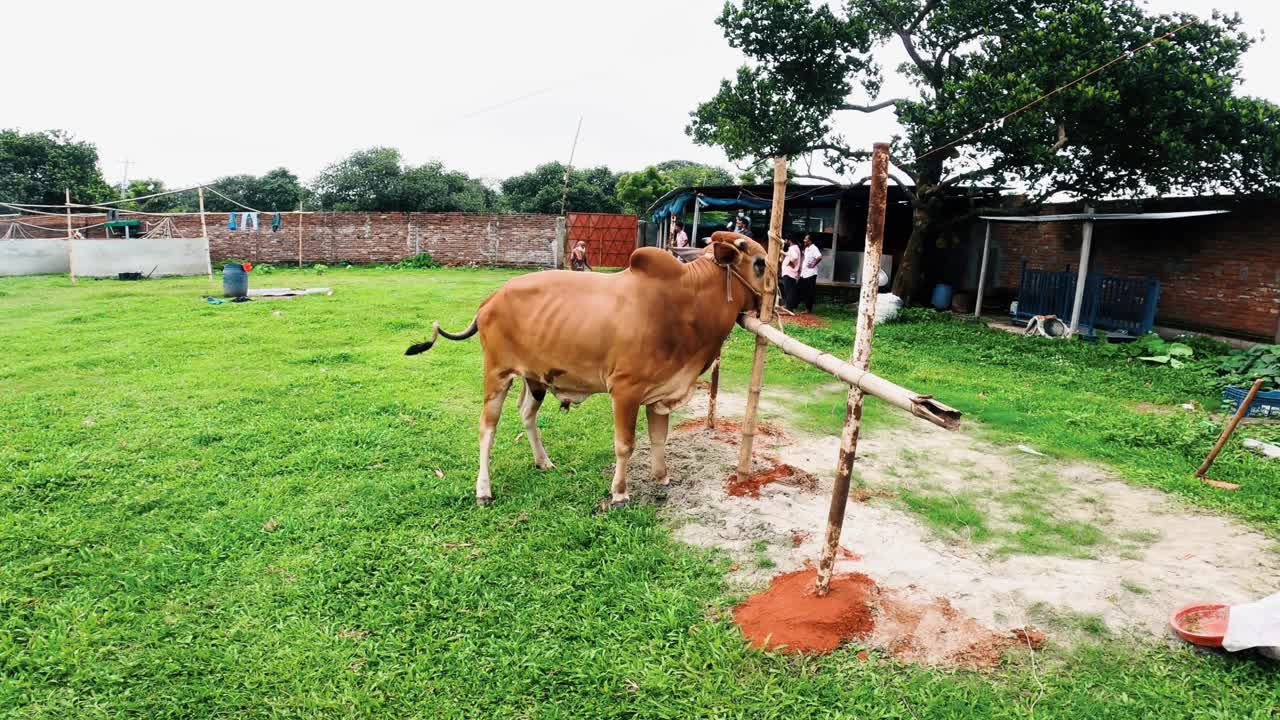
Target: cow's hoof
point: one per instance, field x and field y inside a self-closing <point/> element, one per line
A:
<point x="545" y="465"/>
<point x="619" y="504"/>
<point x="664" y="480"/>
<point x="484" y="501"/>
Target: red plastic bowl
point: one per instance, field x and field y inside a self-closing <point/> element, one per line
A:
<point x="1202" y="624"/>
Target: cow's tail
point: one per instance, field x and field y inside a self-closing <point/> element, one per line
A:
<point x="437" y="332"/>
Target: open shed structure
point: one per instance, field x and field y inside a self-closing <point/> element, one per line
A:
<point x="834" y="215"/>
<point x="1087" y="299"/>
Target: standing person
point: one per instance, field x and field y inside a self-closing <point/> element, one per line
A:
<point x="790" y="274"/>
<point x="578" y="258"/>
<point x="809" y="272"/>
<point x="678" y="237"/>
<point x="742" y="227"/>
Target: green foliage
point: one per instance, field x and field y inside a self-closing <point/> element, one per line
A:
<point x="378" y="179"/>
<point x="145" y="187"/>
<point x="637" y="191"/>
<point x="277" y="191"/>
<point x="539" y="190"/>
<point x="1158" y="351"/>
<point x="421" y="261"/>
<point x="1166" y="119"/>
<point x="1242" y="367"/>
<point x="38" y="167"/>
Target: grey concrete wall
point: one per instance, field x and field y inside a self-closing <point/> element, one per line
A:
<point x="33" y="257"/>
<point x="168" y="256"/>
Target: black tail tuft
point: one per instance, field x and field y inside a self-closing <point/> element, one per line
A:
<point x="419" y="348"/>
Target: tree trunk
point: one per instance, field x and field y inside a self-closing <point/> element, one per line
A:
<point x="906" y="282"/>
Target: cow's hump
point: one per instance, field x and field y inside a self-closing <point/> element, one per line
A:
<point x="655" y="263"/>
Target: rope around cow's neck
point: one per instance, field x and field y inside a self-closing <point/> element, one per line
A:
<point x="728" y="290"/>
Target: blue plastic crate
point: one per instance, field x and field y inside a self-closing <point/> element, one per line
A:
<point x="1266" y="404"/>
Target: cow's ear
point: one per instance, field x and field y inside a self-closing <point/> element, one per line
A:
<point x="725" y="253"/>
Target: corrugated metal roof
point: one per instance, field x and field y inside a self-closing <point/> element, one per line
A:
<point x="1103" y="217"/>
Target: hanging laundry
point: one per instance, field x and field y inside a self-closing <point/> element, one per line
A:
<point x="275" y="222"/>
<point x="247" y="219"/>
<point x="231" y="222"/>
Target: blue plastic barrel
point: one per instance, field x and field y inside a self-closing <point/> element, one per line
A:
<point x="942" y="296"/>
<point x="235" y="281"/>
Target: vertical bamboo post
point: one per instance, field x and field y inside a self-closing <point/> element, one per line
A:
<point x="1230" y="428"/>
<point x="204" y="231"/>
<point x="766" y="315"/>
<point x="982" y="272"/>
<point x="711" y="396"/>
<point x="299" y="234"/>
<point x="71" y="243"/>
<point x="861" y="359"/>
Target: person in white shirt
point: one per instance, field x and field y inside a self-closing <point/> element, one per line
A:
<point x="790" y="274"/>
<point x="809" y="273"/>
<point x="678" y="236"/>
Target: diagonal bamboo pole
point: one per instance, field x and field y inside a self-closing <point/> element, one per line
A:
<point x="766" y="315"/>
<point x="922" y="406"/>
<point x="861" y="359"/>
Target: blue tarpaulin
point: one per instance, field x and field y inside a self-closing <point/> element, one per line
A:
<point x="742" y="203"/>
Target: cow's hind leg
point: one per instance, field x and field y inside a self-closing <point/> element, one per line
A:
<point x="625" y="410"/>
<point x="530" y="401"/>
<point x="496" y="386"/>
<point x="658" y="424"/>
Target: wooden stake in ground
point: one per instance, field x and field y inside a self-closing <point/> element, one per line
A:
<point x="204" y="231"/>
<point x="860" y="360"/>
<point x="71" y="242"/>
<point x="1226" y="435"/>
<point x="766" y="315"/>
<point x="299" y="234"/>
<point x="711" y="396"/>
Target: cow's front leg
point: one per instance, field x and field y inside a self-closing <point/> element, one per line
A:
<point x="658" y="424"/>
<point x="530" y="401"/>
<point x="495" y="393"/>
<point x="625" y="410"/>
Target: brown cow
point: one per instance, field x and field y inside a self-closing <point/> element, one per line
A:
<point x="643" y="335"/>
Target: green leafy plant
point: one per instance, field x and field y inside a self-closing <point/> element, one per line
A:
<point x="1242" y="367"/>
<point x="421" y="261"/>
<point x="1154" y="349"/>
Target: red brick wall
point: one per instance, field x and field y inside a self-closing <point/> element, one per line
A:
<point x="1218" y="274"/>
<point x="451" y="238"/>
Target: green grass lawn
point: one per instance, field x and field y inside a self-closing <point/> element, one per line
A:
<point x="235" y="511"/>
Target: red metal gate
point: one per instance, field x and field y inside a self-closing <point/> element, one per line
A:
<point x="610" y="238"/>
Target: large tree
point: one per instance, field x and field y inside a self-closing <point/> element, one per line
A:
<point x="539" y="190"/>
<point x="39" y="167"/>
<point x="1163" y="119"/>
<point x="277" y="191"/>
<point x="378" y="179"/>
<point x="638" y="190"/>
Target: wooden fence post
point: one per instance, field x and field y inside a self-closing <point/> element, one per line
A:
<point x="71" y="242"/>
<point x="860" y="360"/>
<point x="766" y="315"/>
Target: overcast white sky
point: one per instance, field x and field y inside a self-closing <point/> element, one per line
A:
<point x="236" y="86"/>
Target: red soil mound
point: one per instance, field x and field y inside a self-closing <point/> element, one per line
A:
<point x="806" y="320"/>
<point x="751" y="484"/>
<point x="789" y="617"/>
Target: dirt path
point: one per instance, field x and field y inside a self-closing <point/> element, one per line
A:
<point x="1063" y="546"/>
